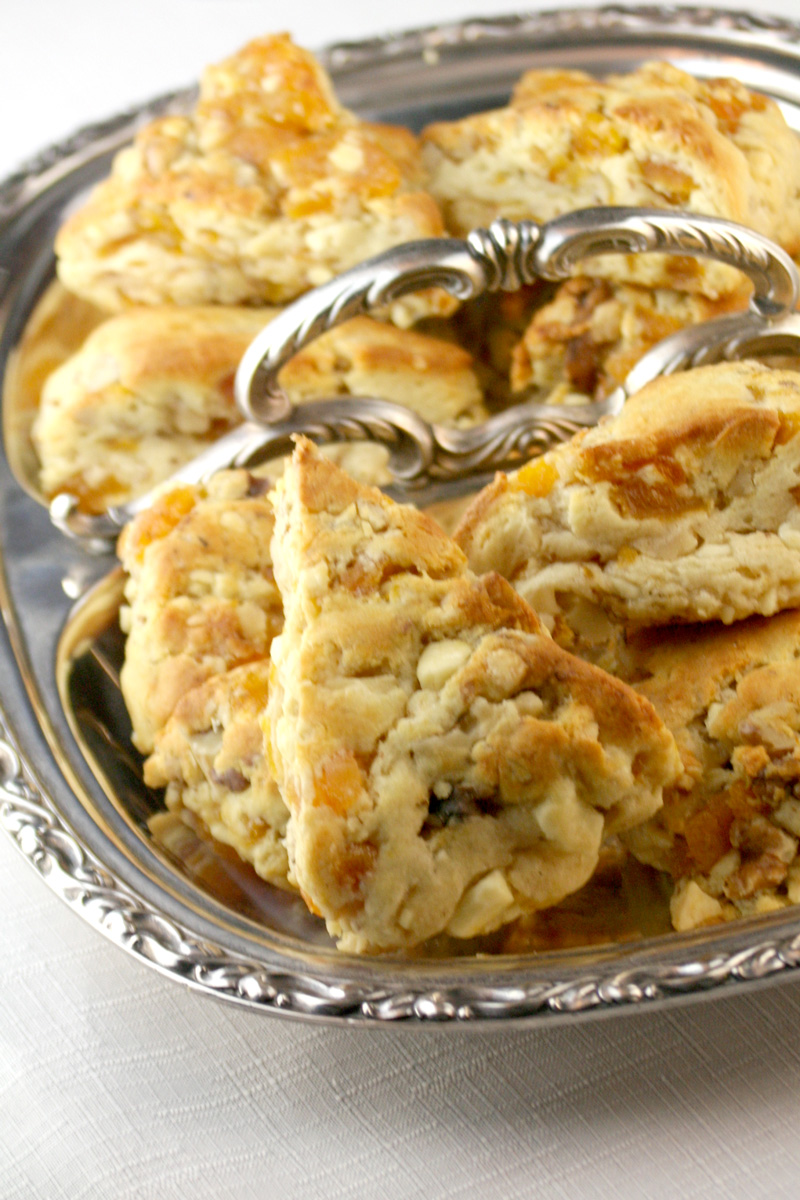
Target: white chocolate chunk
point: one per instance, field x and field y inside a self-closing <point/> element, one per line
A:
<point x="486" y="905"/>
<point x="439" y="661"/>
<point x="691" y="906"/>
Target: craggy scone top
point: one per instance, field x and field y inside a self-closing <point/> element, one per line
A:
<point x="446" y="765"/>
<point x="681" y="508"/>
<point x="268" y="188"/>
<point x="729" y="829"/>
<point x="656" y="137"/>
<point x="200" y="594"/>
<point x="584" y="341"/>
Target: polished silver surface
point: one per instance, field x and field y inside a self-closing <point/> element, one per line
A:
<point x="504" y="257"/>
<point x="81" y="817"/>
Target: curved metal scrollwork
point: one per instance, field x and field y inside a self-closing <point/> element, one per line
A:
<point x="721" y="340"/>
<point x="508" y="253"/>
<point x="566" y="241"/>
<point x="420" y="454"/>
<point x="505" y="256"/>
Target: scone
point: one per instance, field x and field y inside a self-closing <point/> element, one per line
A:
<point x="57" y="326"/>
<point x="584" y="342"/>
<point x="729" y="830"/>
<point x="681" y="508"/>
<point x="152" y="387"/>
<point x="445" y="764"/>
<point x="267" y="189"/>
<point x="656" y="137"/>
<point x="145" y="393"/>
<point x="210" y="757"/>
<point x="200" y="594"/>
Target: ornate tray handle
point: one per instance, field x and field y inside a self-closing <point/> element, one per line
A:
<point x="421" y="455"/>
<point x="504" y="256"/>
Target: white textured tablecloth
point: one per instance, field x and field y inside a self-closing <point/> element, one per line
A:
<point x="116" y="1084"/>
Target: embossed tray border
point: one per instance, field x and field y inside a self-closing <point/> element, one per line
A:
<point x="750" y="953"/>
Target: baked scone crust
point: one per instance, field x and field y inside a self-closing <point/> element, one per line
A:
<point x="145" y="393"/>
<point x="200" y="595"/>
<point x="446" y="765"/>
<point x="152" y="387"/>
<point x="210" y="756"/>
<point x="681" y="508"/>
<point x="268" y="188"/>
<point x="583" y="343"/>
<point x="729" y="829"/>
<point x="656" y="137"/>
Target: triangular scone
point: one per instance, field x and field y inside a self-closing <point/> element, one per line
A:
<point x="446" y="765"/>
<point x="656" y="137"/>
<point x="682" y="508"/>
<point x="210" y="757"/>
<point x="268" y="188"/>
<point x="729" y="829"/>
<point x="200" y="593"/>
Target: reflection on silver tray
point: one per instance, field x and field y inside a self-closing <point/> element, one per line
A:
<point x="70" y="792"/>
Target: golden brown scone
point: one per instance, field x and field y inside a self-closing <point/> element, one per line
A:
<point x="152" y="387"/>
<point x="145" y="393"/>
<point x="364" y="357"/>
<point x="200" y="596"/>
<point x="583" y="343"/>
<point x="58" y="325"/>
<point x="446" y="765"/>
<point x="729" y="829"/>
<point x="681" y="508"/>
<point x="211" y="759"/>
<point x="268" y="188"/>
<point x="656" y="137"/>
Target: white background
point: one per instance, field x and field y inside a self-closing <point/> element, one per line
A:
<point x="64" y="63"/>
<point x="116" y="1084"/>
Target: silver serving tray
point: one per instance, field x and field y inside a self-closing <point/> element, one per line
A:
<point x="71" y="795"/>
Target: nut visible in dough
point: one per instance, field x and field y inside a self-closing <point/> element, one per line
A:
<point x="729" y="829"/>
<point x="445" y="800"/>
<point x="267" y="189"/>
<point x="682" y="508"/>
